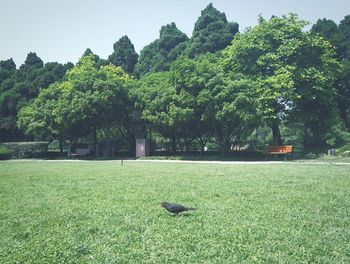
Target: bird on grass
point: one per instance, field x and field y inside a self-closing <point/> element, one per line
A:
<point x="175" y="208"/>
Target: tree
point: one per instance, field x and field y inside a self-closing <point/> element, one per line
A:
<point x="344" y="39"/>
<point x="7" y="69"/>
<point x="32" y="60"/>
<point x="52" y="72"/>
<point x="218" y="106"/>
<point x="339" y="37"/>
<point x="159" y="54"/>
<point x="159" y="103"/>
<point x="39" y="118"/>
<point x="344" y="92"/>
<point x="124" y="55"/>
<point x="94" y="98"/>
<point x="212" y="32"/>
<point x="290" y="69"/>
<point x="24" y="85"/>
<point x="328" y="29"/>
<point x="344" y="57"/>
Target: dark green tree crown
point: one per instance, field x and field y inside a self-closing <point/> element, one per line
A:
<point x="325" y="27"/>
<point x="212" y="32"/>
<point x="32" y="60"/>
<point x="124" y="55"/>
<point x="344" y="28"/>
<point x="158" y="55"/>
<point x="209" y="15"/>
<point x="7" y="68"/>
<point x="8" y="65"/>
<point x="170" y="36"/>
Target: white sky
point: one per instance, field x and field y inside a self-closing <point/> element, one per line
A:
<point x="61" y="30"/>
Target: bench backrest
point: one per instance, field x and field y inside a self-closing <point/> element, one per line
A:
<point x="82" y="152"/>
<point x="280" y="149"/>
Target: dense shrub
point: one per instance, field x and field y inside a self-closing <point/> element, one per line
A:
<point x="5" y="152"/>
<point x="344" y="150"/>
<point x="21" y="150"/>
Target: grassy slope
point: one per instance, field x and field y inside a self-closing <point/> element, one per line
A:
<point x="100" y="212"/>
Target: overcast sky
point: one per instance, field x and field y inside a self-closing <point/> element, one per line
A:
<point x="60" y="30"/>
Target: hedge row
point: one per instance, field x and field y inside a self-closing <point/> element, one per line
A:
<point x="20" y="150"/>
<point x="5" y="152"/>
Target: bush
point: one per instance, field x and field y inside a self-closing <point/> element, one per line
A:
<point x="339" y="136"/>
<point x="344" y="150"/>
<point x="20" y="150"/>
<point x="5" y="152"/>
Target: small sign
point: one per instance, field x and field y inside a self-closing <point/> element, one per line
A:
<point x="142" y="148"/>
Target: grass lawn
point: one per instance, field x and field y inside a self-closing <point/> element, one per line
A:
<point x="101" y="212"/>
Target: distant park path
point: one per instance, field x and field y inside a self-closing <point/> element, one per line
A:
<point x="244" y="162"/>
<point x="197" y="161"/>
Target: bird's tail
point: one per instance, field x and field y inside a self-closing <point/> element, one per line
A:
<point x="192" y="209"/>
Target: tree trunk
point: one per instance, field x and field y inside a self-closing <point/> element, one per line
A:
<point x="61" y="144"/>
<point x="69" y="148"/>
<point x="108" y="144"/>
<point x="173" y="143"/>
<point x="276" y="134"/>
<point x="203" y="140"/>
<point x="188" y="144"/>
<point x="132" y="143"/>
<point x="344" y="117"/>
<point x="224" y="147"/>
<point x="95" y="141"/>
<point x="317" y="139"/>
<point x="150" y="141"/>
<point x="223" y="142"/>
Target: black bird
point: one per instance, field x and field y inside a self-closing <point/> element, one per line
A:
<point x="175" y="208"/>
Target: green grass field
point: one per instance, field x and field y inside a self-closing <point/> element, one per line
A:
<point x="101" y="212"/>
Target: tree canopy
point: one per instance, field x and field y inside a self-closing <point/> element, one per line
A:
<point x="124" y="55"/>
<point x="293" y="72"/>
<point x="339" y="36"/>
<point x="91" y="98"/>
<point x="158" y="55"/>
<point x="212" y="32"/>
<point x="276" y="83"/>
<point x="21" y="86"/>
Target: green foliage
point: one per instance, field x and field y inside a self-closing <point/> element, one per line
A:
<point x="158" y="55"/>
<point x="293" y="72"/>
<point x="93" y="95"/>
<point x="338" y="136"/>
<point x="345" y="149"/>
<point x="344" y="45"/>
<point x="158" y="102"/>
<point x="339" y="36"/>
<point x="32" y="60"/>
<point x="211" y="32"/>
<point x="40" y="117"/>
<point x="23" y="86"/>
<point x="217" y="89"/>
<point x="344" y="87"/>
<point x="343" y="94"/>
<point x="92" y="99"/>
<point x="20" y="150"/>
<point x="328" y="29"/>
<point x="5" y="153"/>
<point x="124" y="55"/>
<point x="7" y="68"/>
<point x="219" y="106"/>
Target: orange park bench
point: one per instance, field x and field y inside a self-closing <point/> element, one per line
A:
<point x="80" y="152"/>
<point x="280" y="150"/>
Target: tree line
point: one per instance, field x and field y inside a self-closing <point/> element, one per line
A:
<point x="275" y="83"/>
